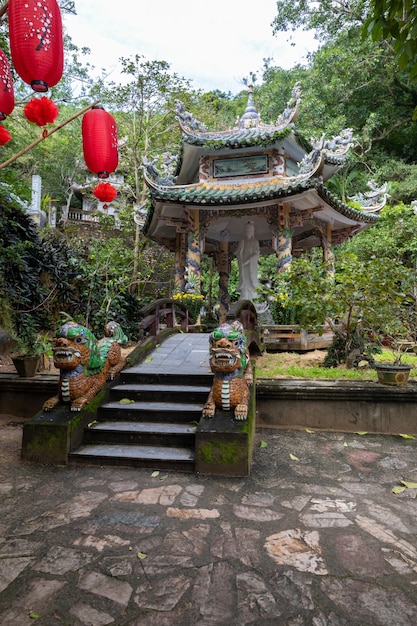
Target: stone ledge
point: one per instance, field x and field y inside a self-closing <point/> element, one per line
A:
<point x="340" y="406"/>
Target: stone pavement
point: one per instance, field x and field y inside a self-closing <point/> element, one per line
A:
<point x="314" y="536"/>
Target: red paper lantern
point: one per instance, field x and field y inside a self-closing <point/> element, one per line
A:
<point x="5" y="136"/>
<point x="36" y="42"/>
<point x="99" y="133"/>
<point x="6" y="87"/>
<point x="105" y="192"/>
<point x="41" y="111"/>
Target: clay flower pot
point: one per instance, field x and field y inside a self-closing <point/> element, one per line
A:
<point x="389" y="374"/>
<point x="26" y="365"/>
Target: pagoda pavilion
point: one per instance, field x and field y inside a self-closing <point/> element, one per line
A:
<point x="255" y="189"/>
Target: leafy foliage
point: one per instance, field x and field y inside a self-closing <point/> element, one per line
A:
<point x="396" y="20"/>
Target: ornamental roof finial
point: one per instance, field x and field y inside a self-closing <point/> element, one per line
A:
<point x="250" y="118"/>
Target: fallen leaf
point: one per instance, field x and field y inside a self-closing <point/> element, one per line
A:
<point x="164" y="477"/>
<point x="126" y="401"/>
<point x="294" y="458"/>
<point x="93" y="423"/>
<point x="148" y="359"/>
<point x="154" y="474"/>
<point x="406" y="436"/>
<point x="34" y="615"/>
<point x="309" y="431"/>
<point x="362" y="432"/>
<point x="141" y="555"/>
<point x="398" y="489"/>
<point x="345" y="445"/>
<point x="263" y="444"/>
<point x="409" y="485"/>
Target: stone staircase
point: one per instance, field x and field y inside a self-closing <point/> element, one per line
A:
<point x="148" y="420"/>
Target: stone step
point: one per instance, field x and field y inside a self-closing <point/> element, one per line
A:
<point x="149" y="433"/>
<point x="166" y="392"/>
<point x="154" y="457"/>
<point x="150" y="411"/>
<point x="174" y="377"/>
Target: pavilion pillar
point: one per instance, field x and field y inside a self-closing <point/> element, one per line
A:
<point x="284" y="247"/>
<point x="223" y="268"/>
<point x="193" y="252"/>
<point x="328" y="256"/>
<point x="180" y="260"/>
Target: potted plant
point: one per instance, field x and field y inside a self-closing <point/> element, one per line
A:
<point x="397" y="336"/>
<point x="31" y="348"/>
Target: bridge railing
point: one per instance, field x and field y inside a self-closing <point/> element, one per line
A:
<point x="164" y="313"/>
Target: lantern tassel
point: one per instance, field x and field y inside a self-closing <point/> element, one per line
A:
<point x="105" y="192"/>
<point x="5" y="136"/>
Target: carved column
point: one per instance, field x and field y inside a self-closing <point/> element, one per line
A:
<point x="193" y="252"/>
<point x="284" y="252"/>
<point x="223" y="267"/>
<point x="180" y="260"/>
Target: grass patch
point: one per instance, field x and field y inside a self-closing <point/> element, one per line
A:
<point x="297" y="365"/>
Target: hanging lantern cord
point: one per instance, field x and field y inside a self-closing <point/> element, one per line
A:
<point x="35" y="143"/>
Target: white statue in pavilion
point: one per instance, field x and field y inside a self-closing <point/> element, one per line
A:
<point x="247" y="255"/>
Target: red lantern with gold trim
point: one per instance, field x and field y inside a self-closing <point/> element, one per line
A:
<point x="6" y="87"/>
<point x="99" y="132"/>
<point x="36" y="42"/>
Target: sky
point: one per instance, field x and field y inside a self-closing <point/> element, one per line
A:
<point x="214" y="43"/>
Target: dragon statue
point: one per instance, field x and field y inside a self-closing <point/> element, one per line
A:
<point x="84" y="363"/>
<point x="229" y="361"/>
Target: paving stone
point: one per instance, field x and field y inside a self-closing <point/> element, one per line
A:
<point x="80" y="506"/>
<point x="325" y="520"/>
<point x="163" y="594"/>
<point x="213" y="593"/>
<point x="298" y="549"/>
<point x="164" y="496"/>
<point x="256" y="514"/>
<point x="10" y="568"/>
<point x="192" y="513"/>
<point x="89" y="616"/>
<point x="39" y="596"/>
<point x="374" y="604"/>
<point x="111" y="588"/>
<point x="241" y="544"/>
<point x="189" y="541"/>
<point x="255" y="599"/>
<point x="350" y="550"/>
<point x="101" y="543"/>
<point x="60" y="560"/>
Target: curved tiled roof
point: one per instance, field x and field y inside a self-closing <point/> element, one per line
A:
<point x="203" y="194"/>
<point x="249" y="130"/>
<point x="236" y="138"/>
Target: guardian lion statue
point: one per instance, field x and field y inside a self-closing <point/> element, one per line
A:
<point x="85" y="364"/>
<point x="229" y="361"/>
